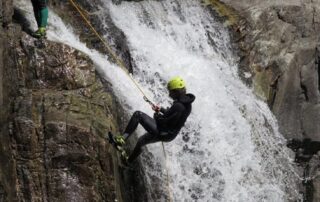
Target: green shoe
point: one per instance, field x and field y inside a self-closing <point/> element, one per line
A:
<point x="119" y="140"/>
<point x="40" y="33"/>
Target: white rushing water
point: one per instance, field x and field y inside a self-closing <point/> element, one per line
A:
<point x="230" y="149"/>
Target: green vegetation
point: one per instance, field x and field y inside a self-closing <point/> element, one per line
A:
<point x="224" y="11"/>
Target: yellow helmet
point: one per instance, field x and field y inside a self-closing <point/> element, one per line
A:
<point x="176" y="83"/>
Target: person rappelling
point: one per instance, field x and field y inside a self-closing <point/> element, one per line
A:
<point x="165" y="124"/>
<point x="41" y="13"/>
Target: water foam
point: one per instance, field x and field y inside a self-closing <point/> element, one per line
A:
<point x="230" y="149"/>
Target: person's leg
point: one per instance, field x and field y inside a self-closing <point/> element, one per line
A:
<point x="36" y="10"/>
<point x="142" y="141"/>
<point x="44" y="13"/>
<point x="148" y="123"/>
<point x="41" y="14"/>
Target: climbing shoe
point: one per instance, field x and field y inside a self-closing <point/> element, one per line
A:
<point x="119" y="140"/>
<point x="40" y="33"/>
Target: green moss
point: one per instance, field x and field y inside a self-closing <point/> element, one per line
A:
<point x="224" y="11"/>
<point x="260" y="85"/>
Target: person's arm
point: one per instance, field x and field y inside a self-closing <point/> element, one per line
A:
<point x="170" y="115"/>
<point x="163" y="110"/>
<point x="158" y="109"/>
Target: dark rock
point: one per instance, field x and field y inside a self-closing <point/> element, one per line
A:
<point x="312" y="179"/>
<point x="116" y="44"/>
<point x="6" y="12"/>
<point x="284" y="36"/>
<point x="56" y="66"/>
<point x="279" y="47"/>
<point x="304" y="149"/>
<point x="54" y="114"/>
<point x="7" y="89"/>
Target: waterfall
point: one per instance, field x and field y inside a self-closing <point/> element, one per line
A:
<point x="230" y="148"/>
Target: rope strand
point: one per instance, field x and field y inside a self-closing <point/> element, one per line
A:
<point x="123" y="67"/>
<point x="167" y="172"/>
<point x="114" y="56"/>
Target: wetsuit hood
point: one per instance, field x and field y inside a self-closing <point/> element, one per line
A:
<point x="187" y="98"/>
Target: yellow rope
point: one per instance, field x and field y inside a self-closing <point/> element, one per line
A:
<point x="114" y="56"/>
<point x="167" y="172"/>
<point x="122" y="65"/>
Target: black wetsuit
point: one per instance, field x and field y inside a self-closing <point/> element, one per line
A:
<point x="164" y="127"/>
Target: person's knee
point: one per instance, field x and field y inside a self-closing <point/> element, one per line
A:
<point x="144" y="140"/>
<point x="137" y="114"/>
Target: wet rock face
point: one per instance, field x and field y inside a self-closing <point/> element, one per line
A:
<point x="280" y="45"/>
<point x="282" y="50"/>
<point x="53" y="134"/>
<point x="312" y="182"/>
<point x="114" y="37"/>
<point x="7" y="177"/>
<point x="6" y="12"/>
<point x="56" y="66"/>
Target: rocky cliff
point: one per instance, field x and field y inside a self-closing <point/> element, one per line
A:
<point x="103" y="24"/>
<point x="279" y="42"/>
<point x="7" y="178"/>
<point x="55" y="112"/>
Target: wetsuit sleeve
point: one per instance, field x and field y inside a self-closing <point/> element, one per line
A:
<point x="171" y="115"/>
<point x="163" y="110"/>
